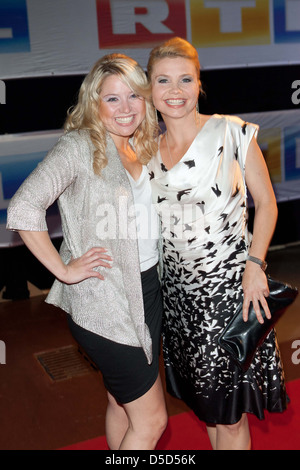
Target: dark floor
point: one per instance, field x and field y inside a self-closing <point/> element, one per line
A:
<point x="40" y="410"/>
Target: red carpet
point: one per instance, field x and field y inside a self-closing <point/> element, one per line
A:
<point x="279" y="431"/>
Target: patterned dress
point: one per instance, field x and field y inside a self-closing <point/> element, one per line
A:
<point x="202" y="203"/>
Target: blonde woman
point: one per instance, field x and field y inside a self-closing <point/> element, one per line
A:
<point x="106" y="274"/>
<point x="199" y="178"/>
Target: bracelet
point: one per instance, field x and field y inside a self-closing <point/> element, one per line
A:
<point x="261" y="262"/>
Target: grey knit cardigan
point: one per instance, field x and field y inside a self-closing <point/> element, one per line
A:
<point x="112" y="308"/>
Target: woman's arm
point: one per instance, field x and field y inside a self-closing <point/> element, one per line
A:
<point x="255" y="284"/>
<point x="40" y="244"/>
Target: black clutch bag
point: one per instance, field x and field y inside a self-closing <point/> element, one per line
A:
<point x="241" y="339"/>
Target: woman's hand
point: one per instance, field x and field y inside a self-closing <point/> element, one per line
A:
<point x="40" y="244"/>
<point x="256" y="290"/>
<point x="83" y="267"/>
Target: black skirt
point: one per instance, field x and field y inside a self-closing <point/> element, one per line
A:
<point x="125" y="370"/>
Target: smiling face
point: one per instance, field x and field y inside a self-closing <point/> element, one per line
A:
<point x="120" y="109"/>
<point x="175" y="87"/>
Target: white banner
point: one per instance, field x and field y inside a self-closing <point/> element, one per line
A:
<point x="278" y="137"/>
<point x="62" y="37"/>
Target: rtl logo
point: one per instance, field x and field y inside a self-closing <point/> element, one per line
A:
<point x="136" y="23"/>
<point x="212" y="23"/>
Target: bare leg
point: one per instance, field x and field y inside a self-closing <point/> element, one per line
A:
<point x="234" y="436"/>
<point x="212" y="434"/>
<point x="137" y="425"/>
<point x="147" y="417"/>
<point x="116" y="423"/>
<point x="230" y="437"/>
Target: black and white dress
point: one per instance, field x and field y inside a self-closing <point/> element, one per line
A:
<point x="202" y="203"/>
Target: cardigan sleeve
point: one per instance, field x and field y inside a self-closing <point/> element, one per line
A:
<point x="27" y="208"/>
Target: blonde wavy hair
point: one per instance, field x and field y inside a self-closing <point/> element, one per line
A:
<point x="85" y="114"/>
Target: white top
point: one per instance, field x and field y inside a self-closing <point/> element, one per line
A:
<point x="202" y="199"/>
<point x="147" y="222"/>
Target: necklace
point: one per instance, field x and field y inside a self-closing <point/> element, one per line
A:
<point x="170" y="156"/>
<point x="167" y="140"/>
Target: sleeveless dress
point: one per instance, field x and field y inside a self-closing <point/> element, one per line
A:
<point x="202" y="203"/>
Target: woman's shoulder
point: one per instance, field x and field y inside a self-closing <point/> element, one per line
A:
<point x="221" y="120"/>
<point x="229" y="118"/>
<point x="78" y="136"/>
<point x="79" y="141"/>
<point x="74" y="148"/>
<point x="237" y="126"/>
<point x="235" y="121"/>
